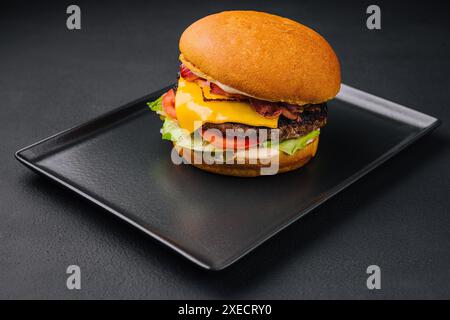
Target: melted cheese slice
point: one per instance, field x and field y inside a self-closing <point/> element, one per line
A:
<point x="193" y="111"/>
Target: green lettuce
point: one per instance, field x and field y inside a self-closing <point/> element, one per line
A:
<point x="293" y="145"/>
<point x="155" y="105"/>
<point x="171" y="131"/>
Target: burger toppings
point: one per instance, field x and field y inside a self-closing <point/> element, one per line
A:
<point x="215" y="89"/>
<point x="212" y="92"/>
<point x="270" y="110"/>
<point x="168" y="104"/>
<point x="265" y="108"/>
<point x="236" y="141"/>
<point x="187" y="74"/>
<point x="311" y="119"/>
<point x="290" y="113"/>
<point x="288" y="129"/>
<point x="198" y="106"/>
<point x="193" y="111"/>
<point x="274" y="109"/>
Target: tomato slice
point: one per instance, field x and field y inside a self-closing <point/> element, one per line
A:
<point x="229" y="143"/>
<point x="168" y="104"/>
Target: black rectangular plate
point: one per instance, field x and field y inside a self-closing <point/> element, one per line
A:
<point x="118" y="161"/>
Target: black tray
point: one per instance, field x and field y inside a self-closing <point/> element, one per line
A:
<point x="119" y="162"/>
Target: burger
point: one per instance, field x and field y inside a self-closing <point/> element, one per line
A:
<point x="252" y="91"/>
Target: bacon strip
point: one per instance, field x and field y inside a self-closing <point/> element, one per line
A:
<point x="289" y="114"/>
<point x="295" y="108"/>
<point x="207" y="97"/>
<point x="187" y="74"/>
<point x="215" y="89"/>
<point x="265" y="108"/>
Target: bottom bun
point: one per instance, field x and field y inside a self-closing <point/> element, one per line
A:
<point x="285" y="162"/>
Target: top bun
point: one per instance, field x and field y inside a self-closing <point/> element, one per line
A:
<point x="262" y="55"/>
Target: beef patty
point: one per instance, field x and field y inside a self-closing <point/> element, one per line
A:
<point x="311" y="118"/>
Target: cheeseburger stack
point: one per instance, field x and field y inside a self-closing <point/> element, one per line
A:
<point x="243" y="71"/>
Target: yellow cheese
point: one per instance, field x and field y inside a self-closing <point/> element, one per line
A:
<point x="193" y="112"/>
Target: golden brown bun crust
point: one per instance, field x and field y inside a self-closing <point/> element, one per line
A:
<point x="286" y="162"/>
<point x="264" y="55"/>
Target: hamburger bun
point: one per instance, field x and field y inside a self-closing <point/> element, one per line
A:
<point x="262" y="55"/>
<point x="286" y="162"/>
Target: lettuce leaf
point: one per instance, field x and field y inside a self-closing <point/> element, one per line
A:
<point x="155" y="105"/>
<point x="171" y="131"/>
<point x="293" y="145"/>
<point x="195" y="143"/>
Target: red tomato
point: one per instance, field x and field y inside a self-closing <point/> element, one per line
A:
<point x="168" y="103"/>
<point x="229" y="143"/>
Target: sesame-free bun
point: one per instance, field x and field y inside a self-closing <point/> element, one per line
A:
<point x="263" y="55"/>
<point x="285" y="162"/>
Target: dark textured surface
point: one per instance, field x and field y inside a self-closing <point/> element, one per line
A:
<point x="396" y="217"/>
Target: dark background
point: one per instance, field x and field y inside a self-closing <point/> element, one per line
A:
<point x="51" y="78"/>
